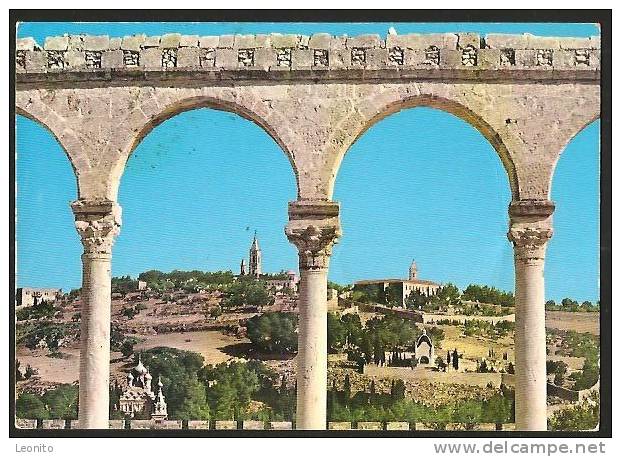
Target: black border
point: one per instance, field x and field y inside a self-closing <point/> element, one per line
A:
<point x="601" y="16"/>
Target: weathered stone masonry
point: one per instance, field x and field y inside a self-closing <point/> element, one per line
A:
<point x="99" y="96"/>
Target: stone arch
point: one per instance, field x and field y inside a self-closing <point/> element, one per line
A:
<point x="573" y="131"/>
<point x="383" y="106"/>
<point x="62" y="136"/>
<point x="250" y="110"/>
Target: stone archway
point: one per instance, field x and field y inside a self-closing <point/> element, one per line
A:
<point x="383" y="105"/>
<point x="314" y="95"/>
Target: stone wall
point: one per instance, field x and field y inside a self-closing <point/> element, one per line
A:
<point x="321" y="51"/>
<point x="556" y="391"/>
<point x="253" y="425"/>
<point x="419" y="373"/>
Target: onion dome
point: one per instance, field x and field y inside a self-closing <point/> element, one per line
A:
<point x="140" y="368"/>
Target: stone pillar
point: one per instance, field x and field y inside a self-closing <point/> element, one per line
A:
<point x="97" y="222"/>
<point x="313" y="227"/>
<point x="530" y="230"/>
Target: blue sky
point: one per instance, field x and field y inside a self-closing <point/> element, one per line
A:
<point x="420" y="184"/>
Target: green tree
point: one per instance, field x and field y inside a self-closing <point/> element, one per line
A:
<point x="448" y="294"/>
<point x="353" y="329"/>
<point x="31" y="406"/>
<point x="179" y="373"/>
<point x="62" y="402"/>
<point x="19" y="376"/>
<point x="231" y="388"/>
<point x="127" y="348"/>
<point x="497" y="409"/>
<point x="337" y="334"/>
<point x="248" y="292"/>
<point x="194" y="405"/>
<point x="29" y="372"/>
<point x="124" y="284"/>
<point x="550" y="305"/>
<point x="347" y="387"/>
<point x="416" y="300"/>
<point x="398" y="390"/>
<point x="129" y="312"/>
<point x="468" y="413"/>
<point x="274" y="331"/>
<point x="584" y="416"/>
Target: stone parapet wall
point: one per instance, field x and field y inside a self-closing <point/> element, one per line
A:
<point x="556" y="391"/>
<point x="282" y="53"/>
<point x="57" y="424"/>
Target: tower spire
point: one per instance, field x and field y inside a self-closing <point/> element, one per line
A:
<point x="413" y="270"/>
<point x="255" y="258"/>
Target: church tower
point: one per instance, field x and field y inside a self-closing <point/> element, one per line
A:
<point x="242" y="268"/>
<point x="413" y="270"/>
<point x="255" y="258"/>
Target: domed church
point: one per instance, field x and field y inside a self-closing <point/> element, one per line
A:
<point x="138" y="395"/>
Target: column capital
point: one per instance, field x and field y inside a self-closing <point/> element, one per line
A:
<point x="313" y="227"/>
<point x="98" y="222"/>
<point x="530" y="228"/>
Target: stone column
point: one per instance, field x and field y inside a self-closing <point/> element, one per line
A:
<point x="313" y="227"/>
<point x="530" y="230"/>
<point x="97" y="222"/>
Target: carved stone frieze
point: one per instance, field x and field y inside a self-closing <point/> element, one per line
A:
<point x="396" y="55"/>
<point x="432" y="55"/>
<point x="97" y="223"/>
<point x="469" y="56"/>
<point x="320" y="58"/>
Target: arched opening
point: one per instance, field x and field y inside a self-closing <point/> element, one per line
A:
<point x="47" y="258"/>
<point x="196" y="103"/>
<point x="425" y="184"/>
<point x="193" y="193"/>
<point x="572" y="274"/>
<point x="447" y="106"/>
<point x="408" y="180"/>
<point x="45" y="235"/>
<point x="572" y="258"/>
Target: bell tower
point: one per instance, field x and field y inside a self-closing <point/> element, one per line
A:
<point x="255" y="258"/>
<point x="413" y="270"/>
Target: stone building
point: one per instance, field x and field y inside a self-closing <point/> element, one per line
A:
<point x="398" y="287"/>
<point x="138" y="396"/>
<point x="423" y="350"/>
<point x="279" y="281"/>
<point x="29" y="296"/>
<point x="284" y="281"/>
